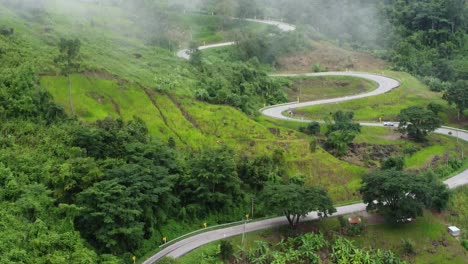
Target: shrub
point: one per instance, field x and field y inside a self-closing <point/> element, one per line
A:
<point x="409" y="150"/>
<point x="355" y="230"/>
<point x="396" y="163"/>
<point x="6" y="31"/>
<point x="313" y="145"/>
<point x="343" y="222"/>
<point x="435" y="84"/>
<point x="408" y="246"/>
<point x="168" y="260"/>
<point x="226" y="250"/>
<point x="318" y="68"/>
<point x="465" y="243"/>
<point x="455" y="164"/>
<point x="313" y="128"/>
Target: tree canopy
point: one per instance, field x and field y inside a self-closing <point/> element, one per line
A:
<point x="295" y="201"/>
<point x="418" y="122"/>
<point x="341" y="131"/>
<point x="458" y="94"/>
<point x="398" y="196"/>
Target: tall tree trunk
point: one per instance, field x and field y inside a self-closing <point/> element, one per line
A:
<point x="70" y="95"/>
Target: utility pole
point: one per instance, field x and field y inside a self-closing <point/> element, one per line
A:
<point x="252" y="211"/>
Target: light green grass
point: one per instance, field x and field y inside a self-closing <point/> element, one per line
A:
<point x="423" y="232"/>
<point x="316" y="88"/>
<point x="378" y="135"/>
<point x="195" y="125"/>
<point x="412" y="92"/>
<point x="457" y="212"/>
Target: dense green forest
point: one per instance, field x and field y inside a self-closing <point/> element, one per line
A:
<point x="83" y="186"/>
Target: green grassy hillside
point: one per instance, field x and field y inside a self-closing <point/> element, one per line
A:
<point x="195" y="125"/>
<point x="126" y="74"/>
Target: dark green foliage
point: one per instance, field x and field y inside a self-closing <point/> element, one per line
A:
<point x="355" y="229"/>
<point x="313" y="128"/>
<point x="212" y="184"/>
<point x="343" y="251"/>
<point x="396" y="163"/>
<point x="311" y="248"/>
<point x="410" y="150"/>
<point x="398" y="196"/>
<point x="300" y="249"/>
<point x="437" y="194"/>
<point x="20" y="96"/>
<point x="109" y="137"/>
<point x="257" y="171"/>
<point x="343" y="221"/>
<point x="458" y="94"/>
<point x="171" y="142"/>
<point x="69" y="55"/>
<point x="240" y="85"/>
<point x="418" y="122"/>
<point x="226" y="250"/>
<point x="341" y="132"/>
<point x="295" y="201"/>
<point x="110" y="216"/>
<point x="465" y="243"/>
<point x="455" y="164"/>
<point x="430" y="35"/>
<point x="6" y="31"/>
<point x="435" y="84"/>
<point x="435" y="108"/>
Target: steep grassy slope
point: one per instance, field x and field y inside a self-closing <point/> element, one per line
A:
<point x="195" y="124"/>
<point x="112" y="41"/>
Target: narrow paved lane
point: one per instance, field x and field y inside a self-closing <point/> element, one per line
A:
<point x="385" y="84"/>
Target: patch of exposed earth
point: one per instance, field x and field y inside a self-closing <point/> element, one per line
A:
<point x="369" y="155"/>
<point x="330" y="57"/>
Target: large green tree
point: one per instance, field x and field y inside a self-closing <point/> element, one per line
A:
<point x="295" y="201"/>
<point x="341" y="131"/>
<point x="212" y="184"/>
<point x="457" y="94"/>
<point x="68" y="62"/>
<point x="397" y="195"/>
<point x="418" y="122"/>
<point x="110" y="217"/>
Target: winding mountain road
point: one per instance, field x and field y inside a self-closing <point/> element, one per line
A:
<point x="385" y="84"/>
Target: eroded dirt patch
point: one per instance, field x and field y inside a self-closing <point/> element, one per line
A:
<point x="331" y="57"/>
